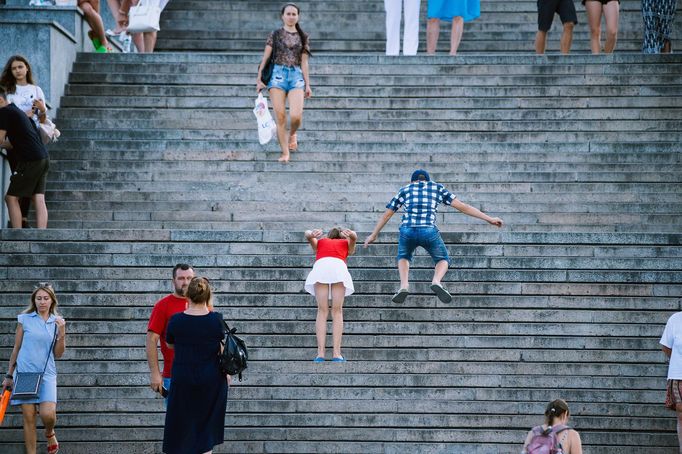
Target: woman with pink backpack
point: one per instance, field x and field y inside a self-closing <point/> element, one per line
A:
<point x="553" y="437"/>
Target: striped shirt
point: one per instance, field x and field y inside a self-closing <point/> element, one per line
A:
<point x="420" y="200"/>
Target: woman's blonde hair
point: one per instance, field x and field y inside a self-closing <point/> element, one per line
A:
<point x="47" y="288"/>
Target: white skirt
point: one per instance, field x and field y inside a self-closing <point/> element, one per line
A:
<point x="329" y="270"/>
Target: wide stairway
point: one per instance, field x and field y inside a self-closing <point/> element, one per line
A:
<point x="159" y="163"/>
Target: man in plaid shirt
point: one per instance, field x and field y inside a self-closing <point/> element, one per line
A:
<point x="420" y="200"/>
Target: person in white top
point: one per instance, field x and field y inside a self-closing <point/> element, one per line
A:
<point x="671" y="343"/>
<point x="17" y="79"/>
<point x="394" y="8"/>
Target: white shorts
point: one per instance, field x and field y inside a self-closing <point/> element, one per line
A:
<point x="329" y="270"/>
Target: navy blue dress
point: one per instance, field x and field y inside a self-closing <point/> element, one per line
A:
<point x="197" y="399"/>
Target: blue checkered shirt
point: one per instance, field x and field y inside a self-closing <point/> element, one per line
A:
<point x="420" y="201"/>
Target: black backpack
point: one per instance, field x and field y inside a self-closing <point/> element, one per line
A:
<point x="232" y="361"/>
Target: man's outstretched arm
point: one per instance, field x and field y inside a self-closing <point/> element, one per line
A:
<point x="380" y="225"/>
<point x="475" y="212"/>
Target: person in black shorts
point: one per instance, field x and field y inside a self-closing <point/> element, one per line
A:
<point x="18" y="131"/>
<point x="546" y="10"/>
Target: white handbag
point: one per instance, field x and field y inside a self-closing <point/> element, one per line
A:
<point x="48" y="132"/>
<point x="144" y="17"/>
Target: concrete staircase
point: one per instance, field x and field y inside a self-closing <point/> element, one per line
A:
<point x="159" y="163"/>
<point x="505" y="26"/>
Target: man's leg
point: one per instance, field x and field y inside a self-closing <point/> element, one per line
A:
<point x="667" y="14"/>
<point x="14" y="211"/>
<point x="439" y="271"/>
<point x="404" y="272"/>
<point x="41" y="210"/>
<point x="651" y="43"/>
<point x="567" y="38"/>
<point x="540" y="42"/>
<point x="411" y="31"/>
<point x="593" y="9"/>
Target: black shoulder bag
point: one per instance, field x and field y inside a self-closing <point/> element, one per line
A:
<point x="232" y="360"/>
<point x="27" y="384"/>
<point x="266" y="73"/>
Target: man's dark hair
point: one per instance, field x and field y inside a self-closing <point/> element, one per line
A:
<point x="180" y="266"/>
<point x="3" y="93"/>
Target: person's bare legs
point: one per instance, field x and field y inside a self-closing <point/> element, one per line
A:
<point x="149" y="42"/>
<point x="28" y="412"/>
<point x="593" y="10"/>
<point x="456" y="36"/>
<point x="338" y="293"/>
<point x="611" y="16"/>
<point x="41" y="210"/>
<point x="114" y="7"/>
<point x="91" y="12"/>
<point x="322" y="298"/>
<point x="48" y="413"/>
<point x="679" y="426"/>
<point x="14" y="211"/>
<point x="404" y="272"/>
<point x="296" y="99"/>
<point x="432" y="32"/>
<point x="138" y="40"/>
<point x="567" y="38"/>
<point x="540" y="42"/>
<point x="439" y="271"/>
<point x="278" y="98"/>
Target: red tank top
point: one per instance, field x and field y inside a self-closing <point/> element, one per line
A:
<point x="337" y="248"/>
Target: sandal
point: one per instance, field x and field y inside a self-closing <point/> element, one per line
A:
<point x="52" y="448"/>
<point x="293" y="142"/>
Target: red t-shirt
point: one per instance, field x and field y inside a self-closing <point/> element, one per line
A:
<point x="337" y="248"/>
<point x="163" y="310"/>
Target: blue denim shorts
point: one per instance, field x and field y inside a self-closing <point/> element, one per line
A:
<point x="287" y="78"/>
<point x="427" y="237"/>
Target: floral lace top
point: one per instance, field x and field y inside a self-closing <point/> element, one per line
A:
<point x="287" y="47"/>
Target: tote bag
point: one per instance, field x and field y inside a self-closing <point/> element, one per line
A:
<point x="144" y="17"/>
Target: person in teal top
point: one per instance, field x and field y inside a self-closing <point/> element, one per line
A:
<point x="455" y="11"/>
<point x="38" y="325"/>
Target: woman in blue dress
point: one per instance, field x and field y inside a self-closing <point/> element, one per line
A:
<point x="195" y="417"/>
<point x="38" y="325"/>
<point x="457" y="11"/>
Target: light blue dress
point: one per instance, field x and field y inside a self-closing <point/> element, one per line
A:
<point x="38" y="335"/>
<point x="447" y="9"/>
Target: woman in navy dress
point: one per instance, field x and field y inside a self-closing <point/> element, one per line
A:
<point x="195" y="418"/>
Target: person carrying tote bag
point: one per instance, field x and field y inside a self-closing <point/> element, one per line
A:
<point x="40" y="334"/>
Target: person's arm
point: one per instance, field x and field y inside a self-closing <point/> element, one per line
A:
<point x="667" y="351"/>
<point x="475" y="212"/>
<point x="18" y="339"/>
<point x="60" y="343"/>
<point x="576" y="445"/>
<point x="155" y="378"/>
<point x="352" y="238"/>
<point x="529" y="437"/>
<point x="266" y="56"/>
<point x="380" y="225"/>
<point x="312" y="236"/>
<point x="304" y="68"/>
<point x="4" y="141"/>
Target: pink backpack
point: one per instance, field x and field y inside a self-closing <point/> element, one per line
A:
<point x="546" y="441"/>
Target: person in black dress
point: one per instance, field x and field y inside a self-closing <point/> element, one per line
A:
<point x="195" y="417"/>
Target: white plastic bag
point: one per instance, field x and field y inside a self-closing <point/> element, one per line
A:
<point x="266" y="124"/>
<point x="144" y="17"/>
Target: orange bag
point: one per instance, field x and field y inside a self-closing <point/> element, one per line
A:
<point x="4" y="400"/>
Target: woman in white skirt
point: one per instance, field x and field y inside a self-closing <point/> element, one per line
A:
<point x="330" y="279"/>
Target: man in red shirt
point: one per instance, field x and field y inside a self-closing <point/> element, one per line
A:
<point x="163" y="310"/>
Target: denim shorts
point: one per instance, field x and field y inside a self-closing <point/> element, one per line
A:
<point x="427" y="237"/>
<point x="287" y="78"/>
